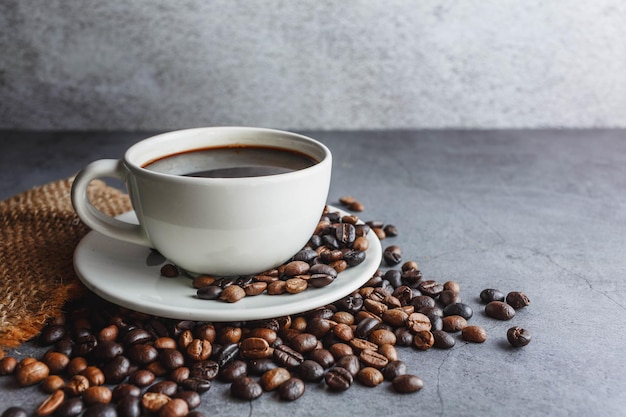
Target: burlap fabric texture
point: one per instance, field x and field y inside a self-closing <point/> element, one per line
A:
<point x="39" y="231"/>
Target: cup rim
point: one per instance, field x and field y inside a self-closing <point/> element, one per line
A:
<point x="144" y="152"/>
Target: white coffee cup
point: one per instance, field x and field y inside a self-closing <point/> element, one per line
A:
<point x="220" y="226"/>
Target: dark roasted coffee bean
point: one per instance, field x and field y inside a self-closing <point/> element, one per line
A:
<point x="210" y="292"/>
<point x="177" y="407"/>
<point x="51" y="334"/>
<point x="306" y="255"/>
<point x="260" y="366"/>
<point x="394" y="277"/>
<point x="449" y="297"/>
<point x="417" y="322"/>
<point x="292" y="389"/>
<point x="310" y="371"/>
<point x="430" y="288"/>
<point x="255" y="348"/>
<point x="443" y="340"/>
<point x="171" y="358"/>
<point x="246" y="388"/>
<point x="226" y="353"/>
<point x="475" y="334"/>
<point x="491" y="294"/>
<point x="390" y="230"/>
<point x="404" y="337"/>
<point x="373" y="358"/>
<point x="499" y="310"/>
<point x="422" y="301"/>
<point x="458" y="309"/>
<point x="407" y="383"/>
<point x="518" y="337"/>
<point x="345" y="233"/>
<point x="338" y="379"/>
<point x="64" y="346"/>
<point x="142" y="354"/>
<point x="178" y="375"/>
<point x="116" y="370"/>
<point x="517" y="299"/>
<point x="107" y="350"/>
<point x="366" y="327"/>
<point x="56" y="361"/>
<point x="304" y="342"/>
<point x="204" y="369"/>
<point x="412" y="277"/>
<point x="97" y="394"/>
<point x="170" y="271"/>
<point x="129" y="407"/>
<point x="15" y="412"/>
<point x="192" y="398"/>
<point x="168" y="388"/>
<point x="142" y="378"/>
<point x="100" y="410"/>
<point x="392" y="255"/>
<point x="152" y="402"/>
<point x="287" y="357"/>
<point x="233" y="370"/>
<point x="199" y="385"/>
<point x="350" y="363"/>
<point x="355" y="257"/>
<point x="394" y="369"/>
<point x="323" y="357"/>
<point x="138" y="336"/>
<point x="73" y="407"/>
<point x="125" y="390"/>
<point x="352" y="303"/>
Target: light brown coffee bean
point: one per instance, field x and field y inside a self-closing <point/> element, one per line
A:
<point x="453" y="323"/>
<point x="396" y="317"/>
<point x="152" y="402"/>
<point x="165" y="343"/>
<point x="388" y="351"/>
<point x="108" y="334"/>
<point x="56" y="361"/>
<point x="296" y="285"/>
<point x="255" y="348"/>
<point x="50" y="404"/>
<point x="199" y="350"/>
<point x="31" y="373"/>
<point x="343" y="332"/>
<point x="452" y="286"/>
<point x="255" y="288"/>
<point x="94" y="375"/>
<point x="423" y="340"/>
<point x="202" y="281"/>
<point x="99" y="394"/>
<point x="294" y="268"/>
<point x="264" y="333"/>
<point x="273" y="378"/>
<point x="361" y="244"/>
<point x="177" y="407"/>
<point x="77" y="365"/>
<point x="383" y="337"/>
<point x="304" y="342"/>
<point x="474" y="334"/>
<point x="185" y="339"/>
<point x="359" y="344"/>
<point x="374" y="359"/>
<point x="370" y="376"/>
<point x="407" y="383"/>
<point x="232" y="294"/>
<point x="499" y="310"/>
<point x="276" y="288"/>
<point x="52" y="383"/>
<point x="339" y="350"/>
<point x="7" y="365"/>
<point x="77" y="385"/>
<point x="418" y="322"/>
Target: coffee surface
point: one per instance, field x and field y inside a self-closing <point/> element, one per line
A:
<point x="232" y="162"/>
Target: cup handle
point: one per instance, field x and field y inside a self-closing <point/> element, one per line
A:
<point x="93" y="217"/>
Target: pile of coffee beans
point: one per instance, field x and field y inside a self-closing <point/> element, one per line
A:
<point x="107" y="361"/>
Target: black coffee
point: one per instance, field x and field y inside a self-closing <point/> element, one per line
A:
<point x="232" y="162"/>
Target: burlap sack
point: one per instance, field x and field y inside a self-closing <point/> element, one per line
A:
<point x="39" y="231"/>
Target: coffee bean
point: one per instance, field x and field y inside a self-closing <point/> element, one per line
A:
<point x="345" y="233"/>
<point x="310" y="371"/>
<point x="100" y="410"/>
<point x="51" y="334"/>
<point x="499" y="310"/>
<point x="142" y="378"/>
<point x="129" y="406"/>
<point x="171" y="358"/>
<point x="233" y="370"/>
<point x="383" y="337"/>
<point x="423" y="340"/>
<point x="338" y="379"/>
<point x="474" y="334"/>
<point x="31" y="373"/>
<point x="373" y="358"/>
<point x="7" y="365"/>
<point x="491" y="294"/>
<point x="430" y="288"/>
<point x="94" y="375"/>
<point x="458" y="309"/>
<point x="287" y="357"/>
<point x="518" y="336"/>
<point x="407" y="383"/>
<point x="421" y="301"/>
<point x="390" y="230"/>
<point x="142" y="354"/>
<point x="394" y="369"/>
<point x="273" y="378"/>
<point x="442" y="340"/>
<point x="517" y="299"/>
<point x="448" y="297"/>
<point x="52" y="383"/>
<point x="208" y="369"/>
<point x="199" y="385"/>
<point x="116" y="370"/>
<point x="370" y="376"/>
<point x="177" y="407"/>
<point x="73" y="407"/>
<point x="125" y="390"/>
<point x="246" y="388"/>
<point x="452" y="286"/>
<point x="192" y="398"/>
<point x="292" y="389"/>
<point x="168" y="388"/>
<point x="56" y="361"/>
<point x="152" y="402"/>
<point x="98" y="394"/>
<point x="296" y="285"/>
<point x="350" y="363"/>
<point x="232" y="294"/>
<point x="138" y="336"/>
<point x="77" y="385"/>
<point x="255" y="348"/>
<point x="392" y="255"/>
<point x="454" y="323"/>
<point x="50" y="404"/>
<point x="210" y="292"/>
<point x="199" y="350"/>
<point x="15" y="412"/>
<point x="418" y="322"/>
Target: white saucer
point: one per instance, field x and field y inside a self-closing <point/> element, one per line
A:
<point x="129" y="275"/>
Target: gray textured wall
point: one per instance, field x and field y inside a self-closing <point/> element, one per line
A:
<point x="348" y="64"/>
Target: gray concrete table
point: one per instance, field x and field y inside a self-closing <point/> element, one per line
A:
<point x="543" y="212"/>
